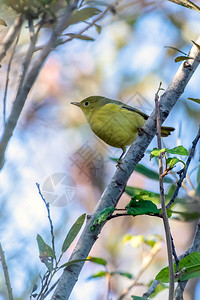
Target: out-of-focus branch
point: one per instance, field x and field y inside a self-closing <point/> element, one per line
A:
<point x="6" y="274"/>
<point x="91" y="24"/>
<point x="30" y="78"/>
<point x="118" y="182"/>
<point x="10" y="36"/>
<point x="148" y="261"/>
<point x="7" y="77"/>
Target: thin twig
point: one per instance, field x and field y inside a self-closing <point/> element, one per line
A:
<point x="88" y="26"/>
<point x="91" y="24"/>
<point x="50" y="290"/>
<point x="148" y="261"/>
<point x="29" y="55"/>
<point x="49" y="216"/>
<point x="7" y="77"/>
<point x="6" y="274"/>
<point x="183" y="174"/>
<point x="109" y="286"/>
<point x="151" y="289"/>
<point x="10" y="36"/>
<point x="162" y="198"/>
<point x="174" y="253"/>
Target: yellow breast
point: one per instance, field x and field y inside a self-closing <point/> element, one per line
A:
<point x="116" y="126"/>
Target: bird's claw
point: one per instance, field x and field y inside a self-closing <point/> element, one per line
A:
<point x="119" y="162"/>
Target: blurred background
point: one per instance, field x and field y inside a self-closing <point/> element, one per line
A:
<point x="53" y="146"/>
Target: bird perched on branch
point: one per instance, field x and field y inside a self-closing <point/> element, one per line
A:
<point x="116" y="123"/>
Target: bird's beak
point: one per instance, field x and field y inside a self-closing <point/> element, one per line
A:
<point x="76" y="103"/>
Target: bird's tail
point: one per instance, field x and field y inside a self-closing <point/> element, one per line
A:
<point x="165" y="131"/>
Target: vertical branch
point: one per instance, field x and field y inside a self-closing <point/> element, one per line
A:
<point x="7" y="77"/>
<point x="10" y="36"/>
<point x="49" y="216"/>
<point x="162" y="198"/>
<point x="6" y="274"/>
<point x="183" y="174"/>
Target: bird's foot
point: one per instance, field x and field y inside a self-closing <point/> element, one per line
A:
<point x="141" y="130"/>
<point x="118" y="165"/>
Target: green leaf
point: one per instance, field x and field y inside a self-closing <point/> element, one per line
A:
<point x="182" y="58"/>
<point x="97" y="2"/>
<point x="188" y="267"/>
<point x="195" y="100"/>
<point x="159" y="288"/>
<point x="179" y="150"/>
<point x="169" y="212"/>
<point x="124" y="274"/>
<point x="74" y="230"/>
<point x="46" y="253"/>
<point x="186" y="216"/>
<point x="83" y="14"/>
<point x="150" y="173"/>
<point x="132" y="191"/>
<point x="102" y="216"/>
<point x="68" y="1"/>
<point x="72" y="262"/>
<point x="98" y="28"/>
<point x="176" y="49"/>
<point x="99" y="274"/>
<point x="141" y="207"/>
<point x="35" y="287"/>
<point x="134" y="240"/>
<point x="139" y="298"/>
<point x="80" y="37"/>
<point x="197" y="45"/>
<point x="187" y="3"/>
<point x="156" y="152"/>
<point x="44" y="249"/>
<point x="97" y="260"/>
<point x="155" y="197"/>
<point x="172" y="161"/>
<point x="153" y="239"/>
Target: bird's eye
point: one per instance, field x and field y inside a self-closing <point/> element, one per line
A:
<point x="86" y="103"/>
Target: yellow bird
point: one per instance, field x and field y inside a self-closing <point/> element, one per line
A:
<point x="116" y="123"/>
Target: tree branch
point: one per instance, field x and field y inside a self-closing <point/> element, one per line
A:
<point x="148" y="260"/>
<point x="10" y="36"/>
<point x="6" y="274"/>
<point x="117" y="184"/>
<point x="7" y="76"/>
<point x="30" y="78"/>
<point x="162" y="199"/>
<point x="28" y="82"/>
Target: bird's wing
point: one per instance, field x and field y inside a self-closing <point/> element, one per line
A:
<point x="117" y="105"/>
<point x="130" y="108"/>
